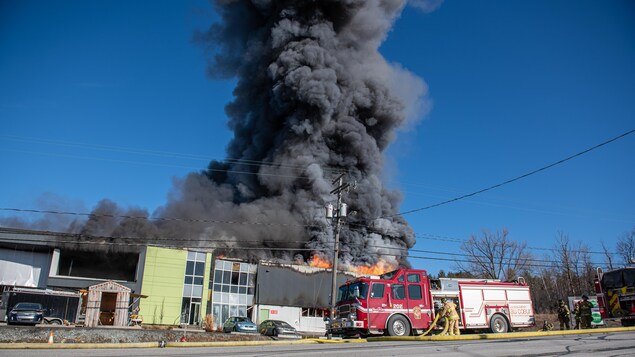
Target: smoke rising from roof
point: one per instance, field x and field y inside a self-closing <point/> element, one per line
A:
<point x="314" y="98"/>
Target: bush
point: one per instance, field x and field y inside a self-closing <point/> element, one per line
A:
<point x="209" y="324"/>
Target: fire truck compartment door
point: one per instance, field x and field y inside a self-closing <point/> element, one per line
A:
<point x="520" y="307"/>
<point x="417" y="306"/>
<point x="377" y="306"/>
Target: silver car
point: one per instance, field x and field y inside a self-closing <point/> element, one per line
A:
<point x="277" y="328"/>
<point x="239" y="324"/>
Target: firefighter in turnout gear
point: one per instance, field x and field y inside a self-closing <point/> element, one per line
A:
<point x="585" y="312"/>
<point x="576" y="314"/>
<point x="547" y="326"/>
<point x="451" y="316"/>
<point x="563" y="316"/>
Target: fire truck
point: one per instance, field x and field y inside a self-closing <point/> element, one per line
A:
<point x="615" y="291"/>
<point x="405" y="302"/>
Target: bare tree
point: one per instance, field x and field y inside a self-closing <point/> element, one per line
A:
<point x="587" y="270"/>
<point x="495" y="256"/>
<point x="566" y="259"/>
<point x="626" y="247"/>
<point x="608" y="257"/>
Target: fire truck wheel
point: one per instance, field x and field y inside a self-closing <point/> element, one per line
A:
<point x="498" y="324"/>
<point x="398" y="326"/>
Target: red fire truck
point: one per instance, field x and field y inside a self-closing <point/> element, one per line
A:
<point x="403" y="302"/>
<point x="615" y="291"/>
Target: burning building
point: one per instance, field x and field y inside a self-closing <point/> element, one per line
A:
<point x="169" y="286"/>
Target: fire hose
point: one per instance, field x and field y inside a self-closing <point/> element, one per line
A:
<point x="432" y="325"/>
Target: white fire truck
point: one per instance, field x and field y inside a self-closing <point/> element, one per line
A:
<point x="403" y="302"/>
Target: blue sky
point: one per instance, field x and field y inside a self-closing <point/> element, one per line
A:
<point x="110" y="99"/>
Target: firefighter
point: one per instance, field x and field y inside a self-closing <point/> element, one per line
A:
<point x="563" y="315"/>
<point x="576" y="314"/>
<point x="585" y="312"/>
<point x="547" y="326"/>
<point x="451" y="317"/>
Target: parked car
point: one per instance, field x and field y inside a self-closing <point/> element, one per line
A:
<point x="239" y="324"/>
<point x="28" y="313"/>
<point x="277" y="328"/>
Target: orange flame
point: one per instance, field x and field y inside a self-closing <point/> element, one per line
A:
<point x="319" y="262"/>
<point x="378" y="268"/>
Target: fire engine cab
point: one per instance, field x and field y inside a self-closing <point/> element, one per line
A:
<point x="615" y="291"/>
<point x="406" y="301"/>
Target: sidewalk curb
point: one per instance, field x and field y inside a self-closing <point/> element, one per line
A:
<point x="61" y="346"/>
<point x="317" y="340"/>
<point x="496" y="336"/>
<point x="491" y="336"/>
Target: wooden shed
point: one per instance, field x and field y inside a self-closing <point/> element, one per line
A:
<point x="107" y="304"/>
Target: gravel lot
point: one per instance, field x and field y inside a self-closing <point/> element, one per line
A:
<point x="40" y="334"/>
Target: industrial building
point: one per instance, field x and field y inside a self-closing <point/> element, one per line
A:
<point x="168" y="286"/>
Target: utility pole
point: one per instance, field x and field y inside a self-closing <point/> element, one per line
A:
<point x="336" y="213"/>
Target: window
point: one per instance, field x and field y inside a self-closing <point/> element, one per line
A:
<point x="352" y="291"/>
<point x="414" y="292"/>
<point x="378" y="291"/>
<point x="234" y="287"/>
<point x="193" y="287"/>
<point x="398" y="292"/>
<point x="194" y="273"/>
<point x="414" y="278"/>
<point x="312" y="312"/>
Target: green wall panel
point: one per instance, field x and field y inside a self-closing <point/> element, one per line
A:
<point x="163" y="284"/>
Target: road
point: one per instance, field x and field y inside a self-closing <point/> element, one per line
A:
<point x="601" y="344"/>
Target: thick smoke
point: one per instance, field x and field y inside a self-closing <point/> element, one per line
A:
<point x="314" y="99"/>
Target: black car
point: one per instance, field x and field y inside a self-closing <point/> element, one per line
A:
<point x="277" y="328"/>
<point x="27" y="313"/>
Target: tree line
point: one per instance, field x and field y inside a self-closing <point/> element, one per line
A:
<point x="566" y="269"/>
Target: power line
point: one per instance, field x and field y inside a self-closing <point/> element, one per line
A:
<point x="270" y="224"/>
<point x="515" y="178"/>
<point x="458" y="240"/>
<point x="248" y="245"/>
<point x="190" y="220"/>
<point x="169" y="154"/>
<point x="262" y="163"/>
<point x="166" y="165"/>
<point x="242" y="248"/>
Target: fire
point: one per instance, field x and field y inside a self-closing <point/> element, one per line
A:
<point x="379" y="268"/>
<point x="319" y="262"/>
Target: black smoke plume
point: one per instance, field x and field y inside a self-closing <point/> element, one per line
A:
<point x="314" y="99"/>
